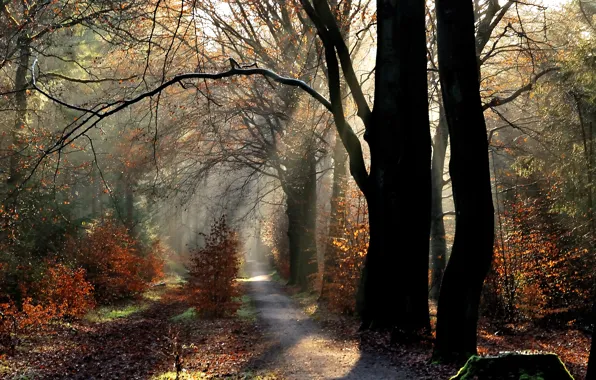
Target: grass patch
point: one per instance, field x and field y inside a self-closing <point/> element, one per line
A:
<point x="183" y="376"/>
<point x="247" y="310"/>
<point x="277" y="278"/>
<point x="201" y="375"/>
<point x="309" y="303"/>
<point x="110" y="313"/>
<point x="189" y="315"/>
<point x="154" y="294"/>
<point x="177" y="268"/>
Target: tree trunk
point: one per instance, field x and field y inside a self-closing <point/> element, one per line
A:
<point x="301" y="203"/>
<point x="472" y="250"/>
<point x="340" y="177"/>
<point x="438" y="247"/>
<point x="308" y="254"/>
<point x="130" y="206"/>
<point x="394" y="287"/>
<point x="20" y="85"/>
<point x="337" y="210"/>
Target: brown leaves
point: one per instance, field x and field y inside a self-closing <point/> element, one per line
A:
<point x="214" y="271"/>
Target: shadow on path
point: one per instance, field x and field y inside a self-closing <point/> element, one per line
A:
<point x="298" y="348"/>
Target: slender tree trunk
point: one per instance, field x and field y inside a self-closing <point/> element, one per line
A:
<point x="438" y="247"/>
<point x="340" y="175"/>
<point x="394" y="288"/>
<point x="472" y="250"/>
<point x="337" y="211"/>
<point x="20" y="84"/>
<point x="130" y="206"/>
<point x="293" y="210"/>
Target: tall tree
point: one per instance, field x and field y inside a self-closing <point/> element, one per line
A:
<point x="472" y="251"/>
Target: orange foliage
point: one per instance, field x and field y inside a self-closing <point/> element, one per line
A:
<point x="66" y="292"/>
<point x="534" y="266"/>
<point x="113" y="262"/>
<point x="214" y="269"/>
<point x="345" y="256"/>
<point x="15" y="321"/>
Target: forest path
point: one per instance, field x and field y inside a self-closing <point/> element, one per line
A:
<point x="299" y="348"/>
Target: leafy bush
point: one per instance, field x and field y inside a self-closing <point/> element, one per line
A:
<point x="113" y="261"/>
<point x="15" y="321"/>
<point x="346" y="255"/>
<point x="214" y="269"/>
<point x="65" y="291"/>
<point x="537" y="267"/>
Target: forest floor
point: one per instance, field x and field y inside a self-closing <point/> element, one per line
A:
<point x="277" y="334"/>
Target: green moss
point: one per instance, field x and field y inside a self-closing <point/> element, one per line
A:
<point x="110" y="313"/>
<point x="195" y="375"/>
<point x="190" y="314"/>
<point x="183" y="376"/>
<point x="247" y="310"/>
<point x="514" y="365"/>
<point x="277" y="278"/>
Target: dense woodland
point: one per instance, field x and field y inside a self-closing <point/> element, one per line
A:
<point x="421" y="173"/>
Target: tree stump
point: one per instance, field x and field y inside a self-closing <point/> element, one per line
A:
<point x="514" y="365"/>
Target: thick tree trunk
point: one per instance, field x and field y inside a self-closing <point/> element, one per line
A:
<point x="308" y="255"/>
<point x="394" y="288"/>
<point x="472" y="250"/>
<point x="438" y="244"/>
<point x="301" y="203"/>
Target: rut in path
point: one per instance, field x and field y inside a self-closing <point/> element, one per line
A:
<point x="299" y="348"/>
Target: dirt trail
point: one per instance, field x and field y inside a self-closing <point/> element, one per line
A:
<point x="300" y="349"/>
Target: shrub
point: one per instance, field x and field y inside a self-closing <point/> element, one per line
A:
<point x="214" y="269"/>
<point x="345" y="256"/>
<point x="537" y="267"/>
<point x="15" y="321"/>
<point x="112" y="260"/>
<point x="65" y="291"/>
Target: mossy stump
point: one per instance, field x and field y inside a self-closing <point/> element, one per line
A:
<point x="514" y="365"/>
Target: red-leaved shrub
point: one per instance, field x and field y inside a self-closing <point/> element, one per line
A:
<point x="114" y="264"/>
<point x="214" y="269"/>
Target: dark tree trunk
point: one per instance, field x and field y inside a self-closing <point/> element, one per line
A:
<point x="340" y="175"/>
<point x="438" y="244"/>
<point x="301" y="203"/>
<point x="394" y="288"/>
<point x="470" y="173"/>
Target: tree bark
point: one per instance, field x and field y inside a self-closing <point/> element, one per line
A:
<point x="472" y="250"/>
<point x="20" y="85"/>
<point x="340" y="157"/>
<point x="438" y="244"/>
<point x="301" y="201"/>
<point x="394" y="287"/>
